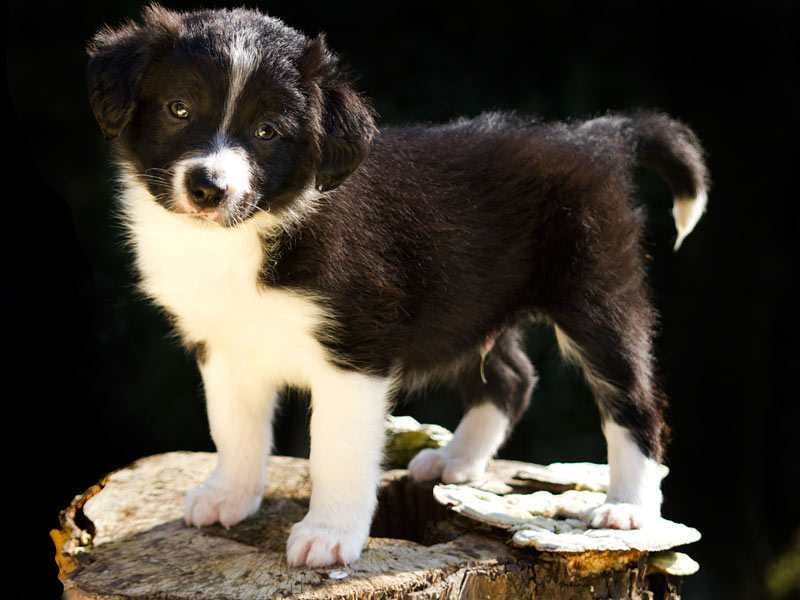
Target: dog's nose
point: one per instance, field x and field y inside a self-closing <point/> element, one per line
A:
<point x="205" y="191"/>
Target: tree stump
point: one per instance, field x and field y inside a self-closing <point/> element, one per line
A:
<point x="125" y="538"/>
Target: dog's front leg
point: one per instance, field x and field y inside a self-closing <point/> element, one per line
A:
<point x="347" y="439"/>
<point x="240" y="406"/>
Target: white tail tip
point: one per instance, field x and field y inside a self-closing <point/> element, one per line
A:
<point x="687" y="212"/>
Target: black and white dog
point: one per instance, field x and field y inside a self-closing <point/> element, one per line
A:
<point x="295" y="244"/>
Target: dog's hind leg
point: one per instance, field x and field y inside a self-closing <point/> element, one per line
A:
<point x="496" y="390"/>
<point x="611" y="341"/>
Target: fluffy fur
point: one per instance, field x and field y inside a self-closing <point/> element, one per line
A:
<point x="296" y="244"/>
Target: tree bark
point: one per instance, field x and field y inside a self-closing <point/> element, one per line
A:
<point x="125" y="538"/>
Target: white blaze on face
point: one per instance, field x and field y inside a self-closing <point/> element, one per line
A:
<point x="243" y="62"/>
<point x="227" y="163"/>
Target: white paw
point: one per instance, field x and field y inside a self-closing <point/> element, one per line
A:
<point x="207" y="504"/>
<point x="619" y="516"/>
<point x="431" y="464"/>
<point x="427" y="465"/>
<point x="315" y="545"/>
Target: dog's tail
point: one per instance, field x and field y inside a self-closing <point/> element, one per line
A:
<point x="671" y="150"/>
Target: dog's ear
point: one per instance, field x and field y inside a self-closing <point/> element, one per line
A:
<point x="118" y="57"/>
<point x="346" y="120"/>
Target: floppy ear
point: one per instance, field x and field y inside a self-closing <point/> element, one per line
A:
<point x="346" y="121"/>
<point x="118" y="58"/>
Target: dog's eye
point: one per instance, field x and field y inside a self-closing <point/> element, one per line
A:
<point x="179" y="109"/>
<point x="266" y="131"/>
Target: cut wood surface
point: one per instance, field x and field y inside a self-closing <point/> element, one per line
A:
<point x="125" y="538"/>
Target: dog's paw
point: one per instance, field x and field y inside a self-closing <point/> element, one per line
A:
<point x="207" y="504"/>
<point x="427" y="465"/>
<point x="315" y="545"/>
<point x="431" y="464"/>
<point x="619" y="516"/>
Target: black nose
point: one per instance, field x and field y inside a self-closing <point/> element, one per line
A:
<point x="205" y="191"/>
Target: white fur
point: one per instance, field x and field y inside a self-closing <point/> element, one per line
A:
<point x="687" y="212"/>
<point x="347" y="438"/>
<point x="240" y="406"/>
<point x="476" y="439"/>
<point x="230" y="167"/>
<point x="634" y="491"/>
<point x="243" y="62"/>
<point x="259" y="340"/>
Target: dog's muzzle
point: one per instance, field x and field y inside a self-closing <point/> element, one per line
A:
<point x="216" y="186"/>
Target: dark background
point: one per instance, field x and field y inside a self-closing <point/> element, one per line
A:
<point x="93" y="382"/>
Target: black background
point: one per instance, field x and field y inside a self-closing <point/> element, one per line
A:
<point x="93" y="382"/>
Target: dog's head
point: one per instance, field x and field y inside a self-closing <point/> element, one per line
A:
<point x="222" y="114"/>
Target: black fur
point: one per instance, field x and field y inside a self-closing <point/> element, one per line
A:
<point x="525" y="219"/>
<point x="431" y="244"/>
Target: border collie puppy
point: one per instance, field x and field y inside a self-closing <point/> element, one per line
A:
<point x="295" y="244"/>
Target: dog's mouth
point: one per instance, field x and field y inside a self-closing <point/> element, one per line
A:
<point x="183" y="206"/>
<point x="229" y="212"/>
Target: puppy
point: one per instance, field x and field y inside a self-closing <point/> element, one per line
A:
<point x="295" y="244"/>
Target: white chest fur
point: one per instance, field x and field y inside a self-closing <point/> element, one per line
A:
<point x="206" y="276"/>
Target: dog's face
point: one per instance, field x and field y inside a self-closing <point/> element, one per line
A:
<point x="225" y="114"/>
